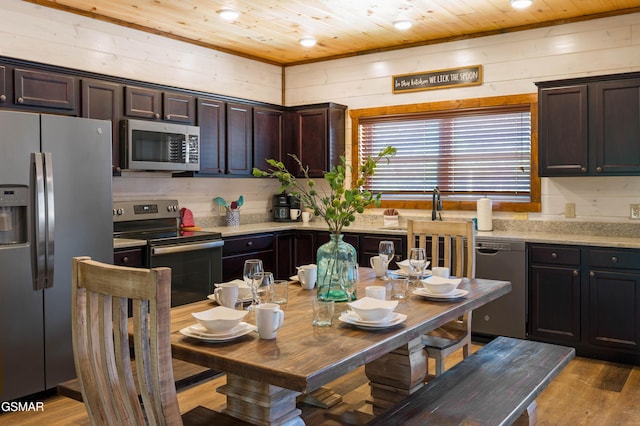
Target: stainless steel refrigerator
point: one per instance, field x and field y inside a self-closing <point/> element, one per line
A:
<point x="55" y="203"/>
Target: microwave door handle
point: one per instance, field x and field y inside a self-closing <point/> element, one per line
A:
<point x="51" y="217"/>
<point x="39" y="212"/>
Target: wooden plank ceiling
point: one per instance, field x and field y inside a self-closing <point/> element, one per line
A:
<point x="269" y="30"/>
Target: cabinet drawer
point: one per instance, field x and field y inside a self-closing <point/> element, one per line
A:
<point x="247" y="244"/>
<point x="614" y="258"/>
<point x="555" y="255"/>
<point x="131" y="258"/>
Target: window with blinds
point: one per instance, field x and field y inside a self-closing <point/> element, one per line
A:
<point x="467" y="154"/>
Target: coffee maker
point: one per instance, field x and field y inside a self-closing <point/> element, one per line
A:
<point x="282" y="205"/>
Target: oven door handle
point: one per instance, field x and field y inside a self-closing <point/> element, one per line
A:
<point x="156" y="251"/>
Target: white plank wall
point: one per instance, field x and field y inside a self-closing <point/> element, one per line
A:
<point x="512" y="63"/>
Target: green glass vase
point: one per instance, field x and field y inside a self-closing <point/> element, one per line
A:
<point x="330" y="258"/>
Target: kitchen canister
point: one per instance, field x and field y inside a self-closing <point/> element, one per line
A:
<point x="484" y="214"/>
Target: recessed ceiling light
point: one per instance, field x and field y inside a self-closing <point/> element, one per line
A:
<point x="307" y="41"/>
<point x="402" y="24"/>
<point x="521" y="4"/>
<point x="228" y="14"/>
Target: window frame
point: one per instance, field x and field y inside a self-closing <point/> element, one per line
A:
<point x="530" y="100"/>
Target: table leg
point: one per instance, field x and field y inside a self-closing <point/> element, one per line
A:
<point x="260" y="403"/>
<point x="396" y="375"/>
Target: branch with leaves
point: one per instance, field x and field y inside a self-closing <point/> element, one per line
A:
<point x="338" y="206"/>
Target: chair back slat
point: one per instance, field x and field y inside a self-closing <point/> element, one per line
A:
<point x="101" y="294"/>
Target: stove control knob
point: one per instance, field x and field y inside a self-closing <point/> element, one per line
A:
<point x="118" y="212"/>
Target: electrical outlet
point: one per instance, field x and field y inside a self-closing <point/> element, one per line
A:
<point x="570" y="210"/>
<point x="635" y="211"/>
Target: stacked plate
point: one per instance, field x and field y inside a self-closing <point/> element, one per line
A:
<point x="424" y="292"/>
<point x="391" y="320"/>
<point x="439" y="288"/>
<point x="197" y="331"/>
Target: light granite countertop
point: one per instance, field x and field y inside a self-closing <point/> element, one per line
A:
<point x="550" y="236"/>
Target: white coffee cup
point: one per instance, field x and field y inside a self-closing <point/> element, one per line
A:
<point x="378" y="266"/>
<point x="440" y="271"/>
<point x="307" y="275"/>
<point x="376" y="291"/>
<point x="294" y="214"/>
<point x="306" y="217"/>
<point x="227" y="294"/>
<point x="269" y="319"/>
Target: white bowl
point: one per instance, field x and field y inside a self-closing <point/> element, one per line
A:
<point x="219" y="319"/>
<point x="370" y="309"/>
<point x="405" y="266"/>
<point x="439" y="285"/>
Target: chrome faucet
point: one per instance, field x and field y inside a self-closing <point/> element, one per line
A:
<point x="436" y="205"/>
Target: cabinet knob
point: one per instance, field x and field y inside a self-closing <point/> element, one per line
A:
<point x="167" y="117"/>
<point x="583" y="169"/>
<point x="554" y="255"/>
<point x="3" y="98"/>
<point x="20" y="100"/>
<point x="156" y="115"/>
<point x="614" y="259"/>
<point x="599" y="169"/>
<point x="592" y="274"/>
<point x="576" y="272"/>
<point x="249" y="243"/>
<point x="125" y="259"/>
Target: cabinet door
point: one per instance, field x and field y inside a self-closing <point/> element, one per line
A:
<point x="369" y="247"/>
<point x="614" y="314"/>
<point x="563" y="137"/>
<point x="3" y="85"/>
<point x="179" y="108"/>
<point x="304" y="249"/>
<point x="45" y="90"/>
<point x="239" y="139"/>
<point x="267" y="135"/>
<point x="313" y="140"/>
<point x="211" y="120"/>
<point x="141" y="102"/>
<point x="616" y="114"/>
<point x="103" y="100"/>
<point x="284" y="256"/>
<point x="554" y="303"/>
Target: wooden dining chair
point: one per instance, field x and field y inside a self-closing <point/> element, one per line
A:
<point x="102" y="349"/>
<point x="448" y="249"/>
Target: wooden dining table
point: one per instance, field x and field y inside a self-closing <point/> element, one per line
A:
<point x="265" y="377"/>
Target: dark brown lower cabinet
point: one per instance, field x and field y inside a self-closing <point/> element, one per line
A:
<point x="588" y="298"/>
<point x="132" y="257"/>
<point x="238" y="249"/>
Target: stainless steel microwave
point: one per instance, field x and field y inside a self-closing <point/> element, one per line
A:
<point x="154" y="145"/>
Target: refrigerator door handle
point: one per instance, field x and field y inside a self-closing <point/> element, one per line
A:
<point x="51" y="217"/>
<point x="39" y="212"/>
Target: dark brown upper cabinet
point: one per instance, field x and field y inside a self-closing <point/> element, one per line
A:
<point x="178" y="107"/>
<point x="103" y="100"/>
<point x="268" y="132"/>
<point x="212" y="123"/>
<point x="319" y="132"/>
<point x="142" y="102"/>
<point x="590" y="126"/>
<point x="45" y="91"/>
<point x="3" y="85"/>
<point x="239" y="139"/>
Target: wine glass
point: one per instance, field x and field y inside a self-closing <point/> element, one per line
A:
<point x="386" y="252"/>
<point x="251" y="268"/>
<point x="263" y="283"/>
<point x="350" y="276"/>
<point x="418" y="261"/>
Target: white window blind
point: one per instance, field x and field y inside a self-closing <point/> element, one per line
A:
<point x="466" y="154"/>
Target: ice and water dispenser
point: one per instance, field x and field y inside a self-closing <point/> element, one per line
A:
<point x="14" y="201"/>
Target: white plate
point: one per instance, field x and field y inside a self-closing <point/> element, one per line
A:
<point x="246" y="299"/>
<point x="400" y="272"/>
<point x="351" y="315"/>
<point x="453" y="295"/>
<point x="346" y="318"/>
<point x="199" y="332"/>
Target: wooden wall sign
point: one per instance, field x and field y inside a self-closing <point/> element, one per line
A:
<point x="439" y="79"/>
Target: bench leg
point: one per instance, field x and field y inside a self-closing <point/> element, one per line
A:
<point x="396" y="375"/>
<point x="529" y="417"/>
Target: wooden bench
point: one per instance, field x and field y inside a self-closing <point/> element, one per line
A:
<point x="185" y="375"/>
<point x="494" y="386"/>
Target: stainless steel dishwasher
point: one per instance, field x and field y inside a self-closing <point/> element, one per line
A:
<point x="502" y="260"/>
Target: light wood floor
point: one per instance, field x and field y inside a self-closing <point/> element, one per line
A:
<point x="587" y="392"/>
